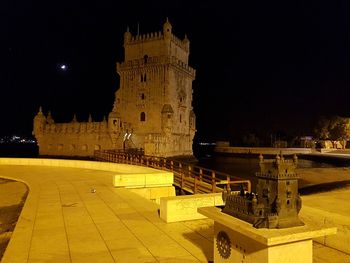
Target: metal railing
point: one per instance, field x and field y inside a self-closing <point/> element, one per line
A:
<point x="190" y="178"/>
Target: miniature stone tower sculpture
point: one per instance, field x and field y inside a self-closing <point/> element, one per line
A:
<point x="276" y="203"/>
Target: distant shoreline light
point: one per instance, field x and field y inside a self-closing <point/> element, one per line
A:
<point x="207" y="143"/>
<point x="16" y="139"/>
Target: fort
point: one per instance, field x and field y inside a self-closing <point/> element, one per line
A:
<point x="152" y="110"/>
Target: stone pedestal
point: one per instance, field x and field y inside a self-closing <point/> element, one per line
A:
<point x="238" y="241"/>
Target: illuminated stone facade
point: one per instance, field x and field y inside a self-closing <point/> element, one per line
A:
<point x="152" y="108"/>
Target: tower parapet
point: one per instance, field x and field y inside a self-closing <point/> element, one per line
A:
<point x="156" y="44"/>
<point x="279" y="168"/>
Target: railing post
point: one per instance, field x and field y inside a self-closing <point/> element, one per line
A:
<point x="249" y="186"/>
<point x="172" y="165"/>
<point x="190" y="176"/>
<point x="228" y="186"/>
<point x="200" y="179"/>
<point x="182" y="176"/>
<point x="195" y="185"/>
<point x="213" y="182"/>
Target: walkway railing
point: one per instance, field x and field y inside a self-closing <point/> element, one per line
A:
<point x="190" y="178"/>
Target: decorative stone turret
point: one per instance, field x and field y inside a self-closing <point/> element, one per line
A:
<point x="127" y="36"/>
<point x="49" y="118"/>
<point x="39" y="122"/>
<point x="186" y="43"/>
<point x="167" y="29"/>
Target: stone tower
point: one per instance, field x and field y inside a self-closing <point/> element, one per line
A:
<point x="152" y="108"/>
<point x="155" y="94"/>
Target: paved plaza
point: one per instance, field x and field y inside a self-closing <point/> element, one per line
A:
<point x="65" y="220"/>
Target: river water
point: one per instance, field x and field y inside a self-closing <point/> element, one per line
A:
<point x="247" y="166"/>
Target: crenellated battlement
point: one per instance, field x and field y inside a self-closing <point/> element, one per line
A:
<point x="278" y="167"/>
<point x="146" y="37"/>
<point x="155" y="36"/>
<point x="278" y="176"/>
<point x="76" y="127"/>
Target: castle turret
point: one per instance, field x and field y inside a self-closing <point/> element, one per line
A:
<point x="114" y="120"/>
<point x="49" y="118"/>
<point x="74" y="118"/>
<point x="127" y="36"/>
<point x="167" y="29"/>
<point x="39" y="123"/>
<point x="186" y="43"/>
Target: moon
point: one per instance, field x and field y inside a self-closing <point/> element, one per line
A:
<point x="63" y="67"/>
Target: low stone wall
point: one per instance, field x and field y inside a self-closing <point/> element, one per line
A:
<point x="182" y="208"/>
<point x="261" y="150"/>
<point x="145" y="179"/>
<point x="151" y="183"/>
<point x="94" y="165"/>
<point x="339" y="241"/>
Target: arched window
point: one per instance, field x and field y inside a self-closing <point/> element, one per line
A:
<point x="145" y="78"/>
<point x="142" y="96"/>
<point x="143" y="116"/>
<point x="145" y="59"/>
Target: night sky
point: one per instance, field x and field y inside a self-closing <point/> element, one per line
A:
<point x="262" y="66"/>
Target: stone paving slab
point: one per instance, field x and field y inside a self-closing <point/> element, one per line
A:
<point x="63" y="221"/>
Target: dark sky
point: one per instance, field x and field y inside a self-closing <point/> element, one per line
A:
<point x="262" y="66"/>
